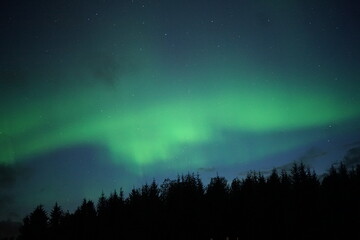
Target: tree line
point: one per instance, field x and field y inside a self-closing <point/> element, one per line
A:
<point x="291" y="204"/>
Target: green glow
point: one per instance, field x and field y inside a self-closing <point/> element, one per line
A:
<point x="147" y="129"/>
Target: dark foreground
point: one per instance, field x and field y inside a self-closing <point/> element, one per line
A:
<point x="286" y="205"/>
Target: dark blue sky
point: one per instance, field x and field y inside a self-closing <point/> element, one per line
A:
<point x="98" y="95"/>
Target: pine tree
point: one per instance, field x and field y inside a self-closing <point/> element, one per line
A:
<point x="35" y="225"/>
<point x="56" y="216"/>
<point x="102" y="205"/>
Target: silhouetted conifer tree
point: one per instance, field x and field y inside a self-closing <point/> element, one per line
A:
<point x="55" y="222"/>
<point x="35" y="225"/>
<point x="294" y="205"/>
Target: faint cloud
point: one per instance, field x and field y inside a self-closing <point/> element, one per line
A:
<point x="307" y="158"/>
<point x="353" y="144"/>
<point x="9" y="175"/>
<point x="311" y="155"/>
<point x="352" y="157"/>
<point x="206" y="169"/>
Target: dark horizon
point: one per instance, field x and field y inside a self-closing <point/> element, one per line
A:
<point x="292" y="204"/>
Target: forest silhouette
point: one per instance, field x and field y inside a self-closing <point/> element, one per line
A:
<point x="293" y="204"/>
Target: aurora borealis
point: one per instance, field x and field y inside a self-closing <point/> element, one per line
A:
<point x="96" y="95"/>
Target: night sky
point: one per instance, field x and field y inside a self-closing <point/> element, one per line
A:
<point x="97" y="95"/>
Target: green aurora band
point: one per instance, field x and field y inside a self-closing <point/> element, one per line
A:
<point x="151" y="130"/>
